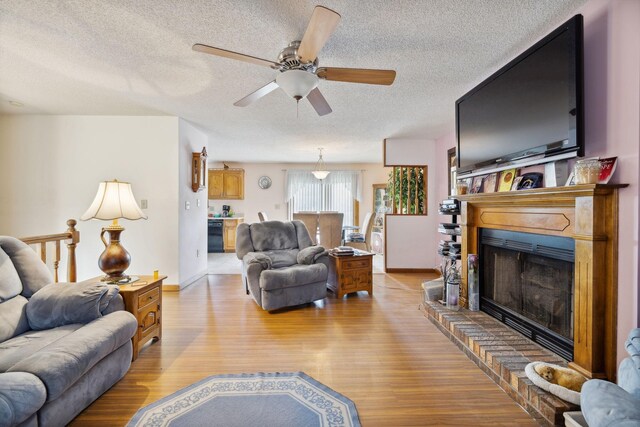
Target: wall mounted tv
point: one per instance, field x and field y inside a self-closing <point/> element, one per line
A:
<point x="533" y="106"/>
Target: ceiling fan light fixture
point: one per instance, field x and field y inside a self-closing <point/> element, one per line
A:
<point x="297" y="83"/>
<point x="320" y="171"/>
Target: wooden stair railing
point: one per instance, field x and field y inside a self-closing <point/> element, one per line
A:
<point x="71" y="238"/>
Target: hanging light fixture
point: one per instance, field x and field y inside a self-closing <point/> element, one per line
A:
<point x="320" y="171"/>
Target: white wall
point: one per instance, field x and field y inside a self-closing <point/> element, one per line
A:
<point x="409" y="239"/>
<point x="192" y="222"/>
<point x="50" y="167"/>
<point x="272" y="200"/>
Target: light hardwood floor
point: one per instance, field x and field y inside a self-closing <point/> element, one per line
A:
<point x="381" y="352"/>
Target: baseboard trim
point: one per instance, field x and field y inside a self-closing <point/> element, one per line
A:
<point x="190" y="281"/>
<point x="411" y="270"/>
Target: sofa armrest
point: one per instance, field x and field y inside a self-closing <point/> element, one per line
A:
<point x="60" y="304"/>
<point x="21" y="395"/>
<point x="257" y="258"/>
<point x="116" y="304"/>
<point x="606" y="404"/>
<point x="310" y="254"/>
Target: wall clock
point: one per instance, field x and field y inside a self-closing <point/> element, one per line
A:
<point x="264" y="182"/>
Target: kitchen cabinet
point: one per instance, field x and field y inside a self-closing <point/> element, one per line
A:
<point x="226" y="184"/>
<point x="230" y="226"/>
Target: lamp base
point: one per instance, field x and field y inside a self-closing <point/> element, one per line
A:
<point x="115" y="259"/>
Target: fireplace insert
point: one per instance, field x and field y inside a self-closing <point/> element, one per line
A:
<point x="527" y="282"/>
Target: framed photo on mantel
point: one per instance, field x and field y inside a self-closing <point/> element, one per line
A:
<point x="452" y="168"/>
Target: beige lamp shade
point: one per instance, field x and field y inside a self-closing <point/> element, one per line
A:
<point x="114" y="200"/>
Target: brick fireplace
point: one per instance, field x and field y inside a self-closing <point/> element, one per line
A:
<point x="587" y="214"/>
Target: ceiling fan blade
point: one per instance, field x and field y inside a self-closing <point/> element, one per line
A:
<point x="357" y="75"/>
<point x="318" y="102"/>
<point x="254" y="96"/>
<point x="234" y="55"/>
<point x="322" y="24"/>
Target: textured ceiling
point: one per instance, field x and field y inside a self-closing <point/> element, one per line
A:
<point x="134" y="58"/>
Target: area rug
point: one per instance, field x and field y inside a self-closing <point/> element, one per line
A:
<point x="263" y="399"/>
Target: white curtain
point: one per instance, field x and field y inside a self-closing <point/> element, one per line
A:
<point x="304" y="192"/>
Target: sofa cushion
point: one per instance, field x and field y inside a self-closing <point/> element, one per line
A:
<point x="20" y="347"/>
<point x="273" y="235"/>
<point x="62" y="363"/>
<point x="13" y="317"/>
<point x="10" y="284"/>
<point x="304" y="239"/>
<point x="21" y="395"/>
<point x="296" y="275"/>
<point x="33" y="273"/>
<point x="60" y="304"/>
<point x="283" y="258"/>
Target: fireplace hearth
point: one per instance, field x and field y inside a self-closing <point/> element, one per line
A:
<point x="527" y="282"/>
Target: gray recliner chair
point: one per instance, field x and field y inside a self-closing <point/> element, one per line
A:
<point x="606" y="404"/>
<point x="280" y="265"/>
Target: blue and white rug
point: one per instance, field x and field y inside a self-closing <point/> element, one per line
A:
<point x="263" y="399"/>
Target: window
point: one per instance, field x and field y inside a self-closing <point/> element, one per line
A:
<point x="340" y="191"/>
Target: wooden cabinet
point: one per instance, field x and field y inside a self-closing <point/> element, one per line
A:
<point x="229" y="233"/>
<point x="226" y="184"/>
<point x="350" y="274"/>
<point x="143" y="299"/>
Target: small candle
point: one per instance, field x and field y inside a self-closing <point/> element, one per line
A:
<point x="155" y="274"/>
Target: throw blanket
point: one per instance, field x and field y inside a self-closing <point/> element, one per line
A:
<point x="59" y="304"/>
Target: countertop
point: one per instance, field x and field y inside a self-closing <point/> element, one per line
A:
<point x="227" y="217"/>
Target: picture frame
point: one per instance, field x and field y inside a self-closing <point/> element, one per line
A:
<point x="489" y="183"/>
<point x="531" y="180"/>
<point x="506" y="179"/>
<point x="516" y="183"/>
<point x="452" y="162"/>
<point x="476" y="187"/>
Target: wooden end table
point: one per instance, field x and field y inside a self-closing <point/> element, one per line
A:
<point x="349" y="274"/>
<point x="143" y="299"/>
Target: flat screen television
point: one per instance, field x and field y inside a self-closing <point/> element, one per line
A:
<point x="533" y="106"/>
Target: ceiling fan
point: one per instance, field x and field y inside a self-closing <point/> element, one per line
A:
<point x="298" y="65"/>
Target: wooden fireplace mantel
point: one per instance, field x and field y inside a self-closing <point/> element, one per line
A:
<point x="589" y="215"/>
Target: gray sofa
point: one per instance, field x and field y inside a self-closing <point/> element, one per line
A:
<point x="61" y="345"/>
<point x="280" y="265"/>
<point x="606" y="404"/>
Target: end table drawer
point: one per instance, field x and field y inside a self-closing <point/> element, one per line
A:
<point x="148" y="297"/>
<point x="357" y="263"/>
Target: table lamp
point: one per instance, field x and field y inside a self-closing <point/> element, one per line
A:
<point x="114" y="200"/>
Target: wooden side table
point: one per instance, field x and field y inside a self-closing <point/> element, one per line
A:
<point x="350" y="274"/>
<point x="143" y="299"/>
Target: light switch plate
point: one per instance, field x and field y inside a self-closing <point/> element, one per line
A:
<point x="197" y="202"/>
<point x="143" y="204"/>
<point x="187" y="205"/>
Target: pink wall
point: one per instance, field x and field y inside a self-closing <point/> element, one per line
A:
<point x="612" y="116"/>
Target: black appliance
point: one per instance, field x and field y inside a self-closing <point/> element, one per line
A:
<point x="215" y="244"/>
<point x="531" y="106"/>
<point x="225" y="210"/>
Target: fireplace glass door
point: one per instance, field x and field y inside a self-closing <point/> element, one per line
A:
<point x="527" y="282"/>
